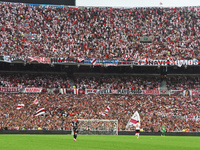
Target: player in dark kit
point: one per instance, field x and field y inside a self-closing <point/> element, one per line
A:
<point x="75" y="124"/>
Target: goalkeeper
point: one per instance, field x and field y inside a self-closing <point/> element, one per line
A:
<point x="163" y="130"/>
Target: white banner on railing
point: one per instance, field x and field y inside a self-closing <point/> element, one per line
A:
<point x="192" y="118"/>
<point x="179" y="63"/>
<point x="121" y="91"/>
<point x="90" y="91"/>
<point x="32" y="90"/>
<point x="151" y="92"/>
<point x="176" y="93"/>
<point x="9" y="89"/>
<point x="41" y="60"/>
<point x="195" y="92"/>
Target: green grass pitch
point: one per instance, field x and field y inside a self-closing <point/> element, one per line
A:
<point x="98" y="142"/>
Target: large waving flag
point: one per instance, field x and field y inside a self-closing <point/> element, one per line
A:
<point x="133" y="120"/>
<point x="19" y="106"/>
<point x="106" y="111"/>
<point x="40" y="112"/>
<point x="103" y="114"/>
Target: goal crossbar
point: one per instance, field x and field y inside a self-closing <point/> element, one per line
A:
<point x="96" y="120"/>
<point x="98" y="126"/>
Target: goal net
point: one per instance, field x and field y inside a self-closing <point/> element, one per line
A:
<point x="98" y="126"/>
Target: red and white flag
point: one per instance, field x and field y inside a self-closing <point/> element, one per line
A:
<point x="54" y="49"/>
<point x="35" y="101"/>
<point x="40" y="112"/>
<point x="19" y="106"/>
<point x="127" y="56"/>
<point x="93" y="61"/>
<point x="63" y="90"/>
<point x="80" y="60"/>
<point x="103" y="114"/>
<point x="145" y="60"/>
<point x="107" y="109"/>
<point x="133" y="120"/>
<point x="76" y="91"/>
<point x="136" y="55"/>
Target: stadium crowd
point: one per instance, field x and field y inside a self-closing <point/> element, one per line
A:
<point x="99" y="32"/>
<point x="60" y="109"/>
<point x="117" y="82"/>
<point x="34" y="80"/>
<point x="183" y="82"/>
<point x="82" y="82"/>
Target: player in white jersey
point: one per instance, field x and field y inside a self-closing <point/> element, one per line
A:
<point x="138" y="129"/>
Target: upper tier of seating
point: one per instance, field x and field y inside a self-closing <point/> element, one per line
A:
<point x="99" y="32"/>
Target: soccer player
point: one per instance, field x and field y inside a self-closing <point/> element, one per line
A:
<point x="137" y="129"/>
<point x="75" y="124"/>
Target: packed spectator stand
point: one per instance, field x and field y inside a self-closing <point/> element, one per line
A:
<point x="99" y="32"/>
<point x="85" y="81"/>
<point x="117" y="82"/>
<point x="60" y="109"/>
<point x="34" y="80"/>
<point x="154" y="110"/>
<point x="183" y="82"/>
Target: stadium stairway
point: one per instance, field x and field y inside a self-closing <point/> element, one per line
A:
<point x="71" y="82"/>
<point x="163" y="85"/>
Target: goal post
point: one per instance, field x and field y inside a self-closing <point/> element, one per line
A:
<point x="98" y="126"/>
